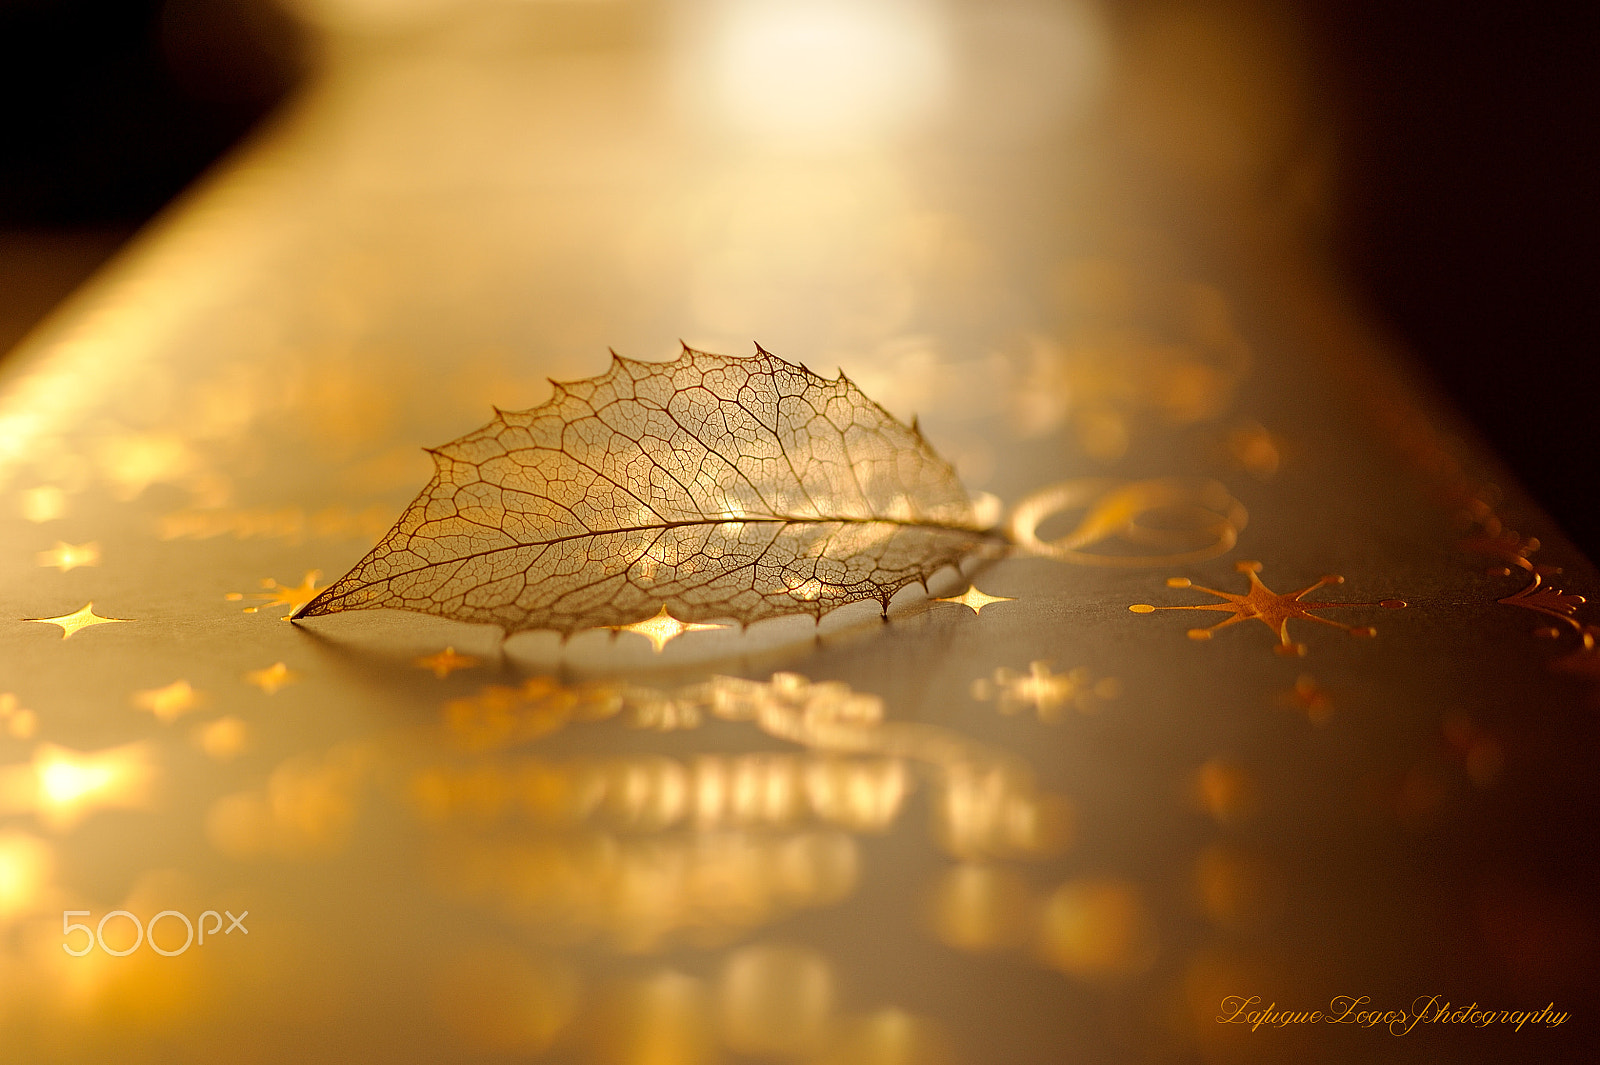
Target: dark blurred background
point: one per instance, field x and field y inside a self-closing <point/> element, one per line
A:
<point x="1468" y="214"/>
<point x="108" y="109"/>
<point x="1467" y="211"/>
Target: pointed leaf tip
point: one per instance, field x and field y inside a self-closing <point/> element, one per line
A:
<point x="312" y="608"/>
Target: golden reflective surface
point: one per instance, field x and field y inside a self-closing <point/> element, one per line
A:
<point x="1011" y="822"/>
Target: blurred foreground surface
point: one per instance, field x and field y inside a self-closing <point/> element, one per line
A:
<point x="1072" y="243"/>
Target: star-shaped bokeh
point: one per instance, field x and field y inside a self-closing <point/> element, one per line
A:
<point x="663" y="628"/>
<point x="168" y="703"/>
<point x="65" y="556"/>
<point x="1310" y="698"/>
<point x="975" y="600"/>
<point x="272" y="677"/>
<point x="1046" y="692"/>
<point x="444" y="663"/>
<point x="60" y="786"/>
<point x="82" y="618"/>
<point x="275" y="594"/>
<point x="16" y="720"/>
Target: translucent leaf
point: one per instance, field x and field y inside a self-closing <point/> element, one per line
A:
<point x="719" y="487"/>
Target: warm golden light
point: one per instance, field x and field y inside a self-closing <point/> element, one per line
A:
<point x="223" y="738"/>
<point x="307" y="809"/>
<point x="446" y="662"/>
<point x="975" y="600"/>
<point x="663" y="628"/>
<point x="996" y="811"/>
<point x="25" y="865"/>
<point x="62" y="786"/>
<point x="63" y="783"/>
<point x="66" y="557"/>
<point x="750" y="790"/>
<point x="501" y="1000"/>
<point x="775" y="999"/>
<point x="15" y="719"/>
<point x="889" y="1037"/>
<point x="1097" y="929"/>
<point x="822" y="72"/>
<point x="981" y="907"/>
<point x="642" y="893"/>
<point x="1224" y="790"/>
<point x="270" y="678"/>
<point x="1237" y="891"/>
<point x="275" y="595"/>
<point x="168" y="703"/>
<point x="1046" y="692"/>
<point x="664" y="1019"/>
<point x="82" y="618"/>
<point x="44" y="503"/>
<point x="533" y="821"/>
<point x="865" y="796"/>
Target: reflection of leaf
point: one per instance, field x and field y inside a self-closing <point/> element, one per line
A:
<point x="720" y="487"/>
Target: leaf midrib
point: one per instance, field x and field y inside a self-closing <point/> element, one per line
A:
<point x="968" y="530"/>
